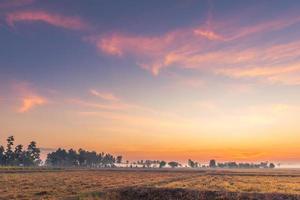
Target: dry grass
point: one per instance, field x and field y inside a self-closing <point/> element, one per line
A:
<point x="92" y="184"/>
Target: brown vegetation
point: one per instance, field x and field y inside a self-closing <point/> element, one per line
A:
<point x="163" y="184"/>
<point x="187" y="194"/>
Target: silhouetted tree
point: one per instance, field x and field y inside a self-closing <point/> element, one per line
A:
<point x="173" y="164"/>
<point x="162" y="164"/>
<point x="9" y="154"/>
<point x="2" y="151"/>
<point x="264" y="165"/>
<point x="192" y="164"/>
<point x="148" y="163"/>
<point x="119" y="159"/>
<point x="83" y="158"/>
<point x="212" y="164"/>
<point x="72" y="158"/>
<point x="32" y="155"/>
<point x="58" y="158"/>
<point x="92" y="158"/>
<point x="272" y="166"/>
<point x="19" y="155"/>
<point x="108" y="160"/>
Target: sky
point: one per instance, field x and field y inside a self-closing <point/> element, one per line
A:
<point x="172" y="79"/>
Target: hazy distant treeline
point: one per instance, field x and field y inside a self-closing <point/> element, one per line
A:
<point x="232" y="165"/>
<point x="19" y="156"/>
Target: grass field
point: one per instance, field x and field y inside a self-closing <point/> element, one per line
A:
<point x="149" y="184"/>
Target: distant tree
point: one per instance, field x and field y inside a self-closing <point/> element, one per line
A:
<point x="271" y="165"/>
<point x="148" y="163"/>
<point x="92" y="158"/>
<point x="2" y="156"/>
<point x="100" y="158"/>
<point x="119" y="159"/>
<point x="72" y="158"/>
<point x="264" y="165"/>
<point x="162" y="164"/>
<point x="173" y="164"/>
<point x="82" y="157"/>
<point x="108" y="160"/>
<point x="212" y="164"/>
<point x="191" y="163"/>
<point x="9" y="154"/>
<point x="32" y="155"/>
<point x="232" y="165"/>
<point x="19" y="155"/>
<point x="58" y="158"/>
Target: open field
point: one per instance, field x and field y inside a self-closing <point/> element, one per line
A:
<point x="149" y="184"/>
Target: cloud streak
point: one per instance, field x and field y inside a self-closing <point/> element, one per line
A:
<point x="101" y="106"/>
<point x="67" y="22"/>
<point x="287" y="75"/>
<point x="104" y="95"/>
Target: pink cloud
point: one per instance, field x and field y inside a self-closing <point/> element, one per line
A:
<point x="30" y="102"/>
<point x="152" y="53"/>
<point x="26" y="94"/>
<point x="73" y="23"/>
<point x="119" y="44"/>
<point x="216" y="45"/>
<point x="208" y="34"/>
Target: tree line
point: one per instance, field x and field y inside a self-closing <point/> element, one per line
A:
<point x="82" y="158"/>
<point x="214" y="164"/>
<point x="18" y="156"/>
<point x="151" y="163"/>
<point x="194" y="164"/>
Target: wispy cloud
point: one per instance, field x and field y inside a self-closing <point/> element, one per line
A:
<point x="104" y="95"/>
<point x="208" y="34"/>
<point x="108" y="102"/>
<point x="101" y="106"/>
<point x="30" y="102"/>
<point x="212" y="47"/>
<point x="120" y="109"/>
<point x="28" y="97"/>
<point x="262" y="27"/>
<point x="276" y="74"/>
<point x="67" y="22"/>
<point x="148" y="50"/>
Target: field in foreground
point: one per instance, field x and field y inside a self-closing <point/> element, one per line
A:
<point x="150" y="184"/>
